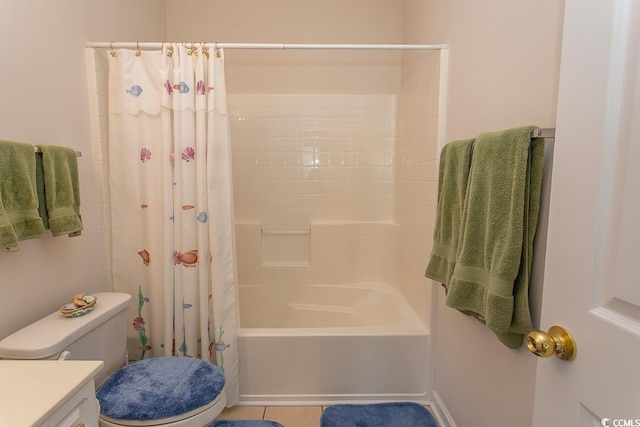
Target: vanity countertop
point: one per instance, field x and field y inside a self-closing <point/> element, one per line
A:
<point x="32" y="390"/>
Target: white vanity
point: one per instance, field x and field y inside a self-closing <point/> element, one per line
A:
<point x="48" y="393"/>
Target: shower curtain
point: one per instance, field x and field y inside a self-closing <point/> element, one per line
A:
<point x="172" y="204"/>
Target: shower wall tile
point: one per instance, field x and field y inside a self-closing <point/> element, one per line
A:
<point x="313" y="157"/>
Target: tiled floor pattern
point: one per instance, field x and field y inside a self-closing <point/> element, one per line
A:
<point x="288" y="416"/>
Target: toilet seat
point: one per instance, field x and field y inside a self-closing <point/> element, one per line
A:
<point x="166" y="391"/>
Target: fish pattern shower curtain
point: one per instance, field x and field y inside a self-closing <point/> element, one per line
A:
<point x="172" y="204"/>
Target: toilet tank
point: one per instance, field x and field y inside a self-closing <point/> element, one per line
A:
<point x="100" y="334"/>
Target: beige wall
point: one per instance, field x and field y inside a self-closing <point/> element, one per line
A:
<point x="44" y="100"/>
<point x="294" y="21"/>
<point x="503" y="72"/>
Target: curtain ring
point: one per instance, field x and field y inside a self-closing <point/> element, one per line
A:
<point x="205" y="52"/>
<point x="138" y="53"/>
<point x="113" y="53"/>
<point x="170" y="50"/>
<point x="218" y="54"/>
<point x="192" y="50"/>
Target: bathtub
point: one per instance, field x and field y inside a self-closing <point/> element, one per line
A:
<point x="324" y="344"/>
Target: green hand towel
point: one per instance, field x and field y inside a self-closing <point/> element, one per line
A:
<point x="61" y="187"/>
<point x="42" y="205"/>
<point x="500" y="215"/>
<point x="19" y="219"/>
<point x="455" y="162"/>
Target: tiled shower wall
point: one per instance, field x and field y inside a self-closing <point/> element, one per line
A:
<point x="302" y="158"/>
<point x="314" y="188"/>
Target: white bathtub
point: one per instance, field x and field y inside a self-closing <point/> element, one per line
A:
<point x="330" y="343"/>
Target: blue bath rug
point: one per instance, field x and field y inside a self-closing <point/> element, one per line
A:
<point x="401" y="414"/>
<point x="245" y="423"/>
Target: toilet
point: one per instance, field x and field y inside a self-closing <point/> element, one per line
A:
<point x="162" y="391"/>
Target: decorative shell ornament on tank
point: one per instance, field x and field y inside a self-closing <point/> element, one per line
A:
<point x="80" y="304"/>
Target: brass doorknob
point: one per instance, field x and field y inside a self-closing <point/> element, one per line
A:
<point x="557" y="341"/>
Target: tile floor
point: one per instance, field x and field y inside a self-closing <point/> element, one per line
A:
<point x="288" y="416"/>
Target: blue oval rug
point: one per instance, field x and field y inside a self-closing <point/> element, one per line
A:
<point x="397" y="414"/>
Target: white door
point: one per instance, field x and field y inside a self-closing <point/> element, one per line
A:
<point x="592" y="277"/>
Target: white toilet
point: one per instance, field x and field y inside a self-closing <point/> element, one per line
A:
<point x="164" y="391"/>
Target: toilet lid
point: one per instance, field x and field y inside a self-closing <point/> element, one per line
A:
<point x="159" y="388"/>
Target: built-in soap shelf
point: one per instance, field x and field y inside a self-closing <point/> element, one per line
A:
<point x="285" y="244"/>
<point x="284" y="231"/>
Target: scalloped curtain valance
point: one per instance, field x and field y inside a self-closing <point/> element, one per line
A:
<point x="177" y="78"/>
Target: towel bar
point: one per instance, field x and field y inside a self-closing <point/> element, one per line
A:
<point x="543" y="133"/>
<point x="38" y="150"/>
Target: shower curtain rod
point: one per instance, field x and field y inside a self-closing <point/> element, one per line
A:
<point x="159" y="45"/>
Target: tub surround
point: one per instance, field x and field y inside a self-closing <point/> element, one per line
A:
<point x="332" y="233"/>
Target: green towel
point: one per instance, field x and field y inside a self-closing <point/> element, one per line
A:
<point x="61" y="188"/>
<point x="42" y="205"/>
<point x="455" y="161"/>
<point x="500" y="215"/>
<point x="19" y="219"/>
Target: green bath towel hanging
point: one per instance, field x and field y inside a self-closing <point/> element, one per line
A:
<point x="19" y="219"/>
<point x="491" y="276"/>
<point x="61" y="188"/>
<point x="455" y="162"/>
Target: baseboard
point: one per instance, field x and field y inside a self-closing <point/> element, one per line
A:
<point x="328" y="399"/>
<point x="440" y="411"/>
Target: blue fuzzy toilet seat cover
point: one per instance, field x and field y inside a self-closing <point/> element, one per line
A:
<point x="158" y="388"/>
